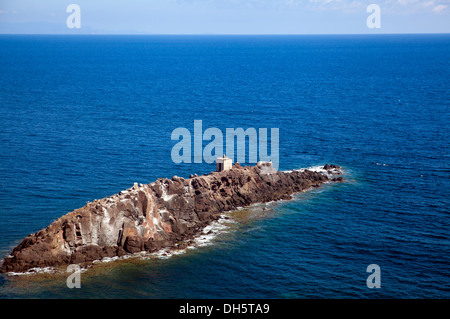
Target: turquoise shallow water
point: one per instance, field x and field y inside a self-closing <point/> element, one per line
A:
<point x="84" y="117"/>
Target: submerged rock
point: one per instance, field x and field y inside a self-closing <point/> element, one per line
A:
<point x="155" y="216"/>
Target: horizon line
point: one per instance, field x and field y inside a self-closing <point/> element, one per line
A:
<point x="229" y="34"/>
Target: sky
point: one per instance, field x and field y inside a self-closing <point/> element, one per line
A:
<point x="225" y="16"/>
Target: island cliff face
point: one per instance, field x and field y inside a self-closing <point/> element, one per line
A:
<point x="159" y="215"/>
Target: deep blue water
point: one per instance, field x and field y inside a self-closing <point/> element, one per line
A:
<point x="83" y="117"/>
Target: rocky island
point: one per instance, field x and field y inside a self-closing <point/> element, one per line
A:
<point x="159" y="215"/>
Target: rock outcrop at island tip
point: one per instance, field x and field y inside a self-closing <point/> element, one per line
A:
<point x="159" y="215"/>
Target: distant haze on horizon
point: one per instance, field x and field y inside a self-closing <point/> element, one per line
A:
<point x="225" y="16"/>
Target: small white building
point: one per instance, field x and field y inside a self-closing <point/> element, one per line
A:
<point x="223" y="163"/>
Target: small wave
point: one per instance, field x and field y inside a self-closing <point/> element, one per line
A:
<point x="43" y="271"/>
<point x="317" y="169"/>
<point x="106" y="260"/>
<point x="380" y="164"/>
<point x="34" y="271"/>
<point x="164" y="253"/>
<point x="210" y="232"/>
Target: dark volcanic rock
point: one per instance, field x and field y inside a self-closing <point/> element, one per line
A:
<point x="330" y="167"/>
<point x="155" y="216"/>
<point x="134" y="244"/>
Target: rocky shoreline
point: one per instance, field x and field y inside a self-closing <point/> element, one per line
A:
<point x="164" y="214"/>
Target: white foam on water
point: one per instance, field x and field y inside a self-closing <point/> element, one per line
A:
<point x="106" y="260"/>
<point x="209" y="233"/>
<point x="227" y="220"/>
<point x="42" y="270"/>
<point x="34" y="271"/>
<point x="204" y="239"/>
<point x="379" y="164"/>
<point x="317" y="169"/>
<point x="164" y="253"/>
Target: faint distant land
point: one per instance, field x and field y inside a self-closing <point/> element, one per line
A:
<point x="39" y="27"/>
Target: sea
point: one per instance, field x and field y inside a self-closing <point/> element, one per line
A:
<point x="83" y="117"/>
